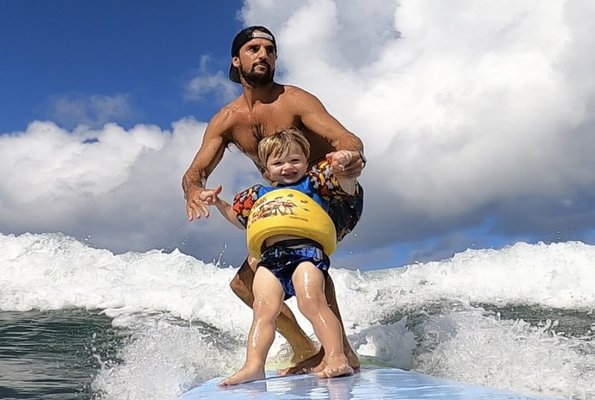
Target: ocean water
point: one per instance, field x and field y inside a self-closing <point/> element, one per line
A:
<point x="82" y="323"/>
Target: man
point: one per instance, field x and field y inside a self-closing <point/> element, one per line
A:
<point x="264" y="107"/>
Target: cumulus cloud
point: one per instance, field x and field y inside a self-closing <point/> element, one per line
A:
<point x="206" y="84"/>
<point x="472" y="112"/>
<point x="115" y="188"/>
<point x="94" y="111"/>
<point x="477" y="118"/>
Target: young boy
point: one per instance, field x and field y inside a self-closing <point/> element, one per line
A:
<point x="291" y="264"/>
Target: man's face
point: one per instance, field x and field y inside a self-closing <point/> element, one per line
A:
<point x="256" y="62"/>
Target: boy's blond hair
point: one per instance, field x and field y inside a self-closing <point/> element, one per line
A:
<point x="280" y="142"/>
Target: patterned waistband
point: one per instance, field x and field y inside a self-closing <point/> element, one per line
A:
<point x="294" y="247"/>
<point x="295" y="244"/>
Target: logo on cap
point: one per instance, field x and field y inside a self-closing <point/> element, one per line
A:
<point x="262" y="35"/>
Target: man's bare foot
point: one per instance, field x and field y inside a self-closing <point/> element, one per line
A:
<point x="335" y="366"/>
<point x="305" y="366"/>
<point x="352" y="359"/>
<point x="303" y="353"/>
<point x="246" y="374"/>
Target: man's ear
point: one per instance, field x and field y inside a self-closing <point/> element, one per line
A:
<point x="235" y="61"/>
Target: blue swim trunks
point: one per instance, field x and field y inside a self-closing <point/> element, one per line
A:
<point x="283" y="257"/>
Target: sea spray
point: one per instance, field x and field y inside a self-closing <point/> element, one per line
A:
<point x="480" y="317"/>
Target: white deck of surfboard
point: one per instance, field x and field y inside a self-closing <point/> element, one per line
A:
<point x="385" y="383"/>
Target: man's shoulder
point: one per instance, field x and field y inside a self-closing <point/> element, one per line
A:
<point x="295" y="90"/>
<point x="296" y="96"/>
<point x="228" y="114"/>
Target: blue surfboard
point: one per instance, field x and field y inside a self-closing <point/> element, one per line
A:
<point x="381" y="383"/>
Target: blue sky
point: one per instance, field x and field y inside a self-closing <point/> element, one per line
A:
<point x="145" y="50"/>
<point x="477" y="118"/>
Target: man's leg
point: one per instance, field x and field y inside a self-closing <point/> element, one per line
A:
<point x="331" y="298"/>
<point x="287" y="325"/>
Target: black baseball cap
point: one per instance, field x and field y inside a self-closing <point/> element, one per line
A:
<point x="243" y="37"/>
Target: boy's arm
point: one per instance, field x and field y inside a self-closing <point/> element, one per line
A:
<point x="348" y="185"/>
<point x="227" y="211"/>
<point x="338" y="161"/>
<point x="211" y="197"/>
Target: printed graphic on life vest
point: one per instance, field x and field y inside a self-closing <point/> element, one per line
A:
<point x="278" y="206"/>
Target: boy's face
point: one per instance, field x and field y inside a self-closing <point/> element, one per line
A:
<point x="287" y="168"/>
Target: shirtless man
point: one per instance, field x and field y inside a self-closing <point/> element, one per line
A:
<point x="263" y="108"/>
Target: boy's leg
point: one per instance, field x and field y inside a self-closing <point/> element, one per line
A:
<point x="268" y="297"/>
<point x="317" y="363"/>
<point x="308" y="282"/>
<point x="345" y="214"/>
<point x="287" y="325"/>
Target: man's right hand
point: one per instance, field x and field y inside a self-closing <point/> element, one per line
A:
<point x="202" y="198"/>
<point x="196" y="208"/>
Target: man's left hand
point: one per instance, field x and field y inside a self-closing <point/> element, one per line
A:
<point x="345" y="163"/>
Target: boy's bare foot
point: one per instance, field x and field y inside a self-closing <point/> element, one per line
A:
<point x="246" y="374"/>
<point x="335" y="366"/>
<point x="316" y="364"/>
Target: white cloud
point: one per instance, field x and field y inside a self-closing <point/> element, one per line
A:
<point x="474" y="113"/>
<point x="465" y="107"/>
<point x="121" y="189"/>
<point x="206" y="84"/>
<point x="96" y="110"/>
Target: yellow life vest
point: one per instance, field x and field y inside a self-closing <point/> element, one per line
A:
<point x="289" y="212"/>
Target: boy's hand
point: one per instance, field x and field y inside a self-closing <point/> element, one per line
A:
<point x="211" y="196"/>
<point x="195" y="207"/>
<point x="341" y="163"/>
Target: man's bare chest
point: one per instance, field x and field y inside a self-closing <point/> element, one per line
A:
<point x="249" y="131"/>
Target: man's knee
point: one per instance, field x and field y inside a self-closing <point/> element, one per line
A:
<point x="241" y="284"/>
<point x="237" y="286"/>
<point x="329" y="289"/>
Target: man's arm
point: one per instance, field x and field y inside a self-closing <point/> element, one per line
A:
<point x="317" y="119"/>
<point x="206" y="159"/>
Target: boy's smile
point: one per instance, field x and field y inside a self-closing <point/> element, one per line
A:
<point x="287" y="168"/>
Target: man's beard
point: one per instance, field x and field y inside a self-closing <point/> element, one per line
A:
<point x="255" y="79"/>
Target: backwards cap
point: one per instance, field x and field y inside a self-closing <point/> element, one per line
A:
<point x="243" y="37"/>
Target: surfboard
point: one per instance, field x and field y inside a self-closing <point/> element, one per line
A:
<point x="369" y="384"/>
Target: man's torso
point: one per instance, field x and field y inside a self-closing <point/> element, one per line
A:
<point x="249" y="126"/>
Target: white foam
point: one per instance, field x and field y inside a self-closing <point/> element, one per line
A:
<point x="389" y="345"/>
<point x="506" y="354"/>
<point x="53" y="271"/>
<point x="556" y="275"/>
<point x="163" y="360"/>
<point x="145" y="292"/>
